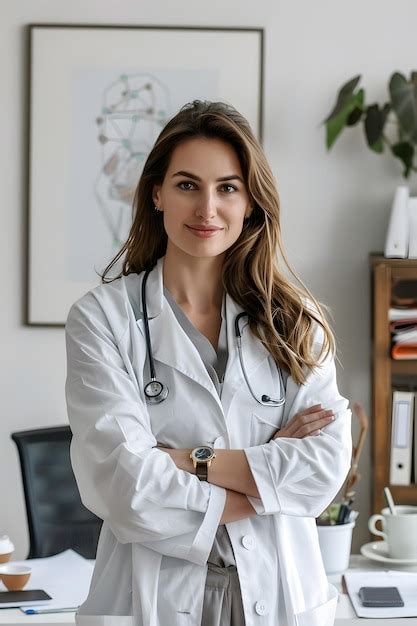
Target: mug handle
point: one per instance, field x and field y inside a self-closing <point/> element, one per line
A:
<point x="372" y="526"/>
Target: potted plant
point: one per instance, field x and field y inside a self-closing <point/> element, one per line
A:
<point x="335" y="525"/>
<point x="392" y="124"/>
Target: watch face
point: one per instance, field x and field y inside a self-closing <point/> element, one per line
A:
<point x="202" y="454"/>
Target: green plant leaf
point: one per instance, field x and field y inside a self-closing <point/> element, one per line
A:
<point x="343" y="97"/>
<point x="354" y="117"/>
<point x="374" y="126"/>
<point x="336" y="123"/>
<point x="404" y="102"/>
<point x="405" y="152"/>
<point x="378" y="146"/>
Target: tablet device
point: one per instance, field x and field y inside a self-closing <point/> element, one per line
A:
<point x="383" y="597"/>
<point x="20" y="598"/>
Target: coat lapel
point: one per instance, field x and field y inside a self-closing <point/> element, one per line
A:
<point x="172" y="346"/>
<point x="253" y="352"/>
<point x="170" y="343"/>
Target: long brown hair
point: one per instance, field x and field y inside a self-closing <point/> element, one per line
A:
<point x="282" y="314"/>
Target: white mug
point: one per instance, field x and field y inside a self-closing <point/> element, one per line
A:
<point x="399" y="531"/>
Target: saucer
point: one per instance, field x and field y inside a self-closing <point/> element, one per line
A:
<point x="378" y="551"/>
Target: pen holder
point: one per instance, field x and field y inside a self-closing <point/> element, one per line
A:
<point x="335" y="544"/>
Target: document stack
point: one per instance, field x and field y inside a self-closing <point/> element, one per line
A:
<point x="403" y="328"/>
<point x="403" y="438"/>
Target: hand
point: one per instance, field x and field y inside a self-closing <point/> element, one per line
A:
<point x="307" y="422"/>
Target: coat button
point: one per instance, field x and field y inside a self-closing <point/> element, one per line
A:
<point x="248" y="542"/>
<point x="261" y="608"/>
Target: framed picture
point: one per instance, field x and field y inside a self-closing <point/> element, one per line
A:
<point x="99" y="97"/>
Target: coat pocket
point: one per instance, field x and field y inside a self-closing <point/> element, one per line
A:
<point x="322" y="615"/>
<point x="264" y="425"/>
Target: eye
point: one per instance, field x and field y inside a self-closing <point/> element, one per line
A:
<point x="186" y="185"/>
<point x="229" y="188"/>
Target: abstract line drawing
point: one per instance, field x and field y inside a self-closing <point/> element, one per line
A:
<point x="134" y="109"/>
<point x="114" y="88"/>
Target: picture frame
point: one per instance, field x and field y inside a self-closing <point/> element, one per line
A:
<point x="98" y="97"/>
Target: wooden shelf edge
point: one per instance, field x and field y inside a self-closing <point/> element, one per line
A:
<point x="406" y="366"/>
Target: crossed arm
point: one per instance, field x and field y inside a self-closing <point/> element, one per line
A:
<point x="231" y="470"/>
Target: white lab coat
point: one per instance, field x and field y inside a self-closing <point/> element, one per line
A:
<point x="159" y="521"/>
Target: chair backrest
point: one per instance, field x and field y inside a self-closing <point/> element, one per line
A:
<point x="57" y="519"/>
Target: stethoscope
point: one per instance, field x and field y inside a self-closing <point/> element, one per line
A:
<point x="156" y="392"/>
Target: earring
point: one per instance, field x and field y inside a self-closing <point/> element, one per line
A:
<point x="156" y="208"/>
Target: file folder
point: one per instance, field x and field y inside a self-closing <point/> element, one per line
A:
<point x="401" y="437"/>
<point x="412" y="216"/>
<point x="415" y="437"/>
<point x="396" y="243"/>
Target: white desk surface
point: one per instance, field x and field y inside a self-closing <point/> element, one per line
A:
<point x="345" y="615"/>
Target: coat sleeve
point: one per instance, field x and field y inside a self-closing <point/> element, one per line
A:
<point x="302" y="476"/>
<point x="136" y="488"/>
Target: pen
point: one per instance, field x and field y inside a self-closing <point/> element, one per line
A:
<point x="343" y="514"/>
<point x="36" y="611"/>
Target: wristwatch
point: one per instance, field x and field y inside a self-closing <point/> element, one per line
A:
<point x="202" y="458"/>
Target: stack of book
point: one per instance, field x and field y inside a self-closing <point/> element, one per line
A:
<point x="403" y="328"/>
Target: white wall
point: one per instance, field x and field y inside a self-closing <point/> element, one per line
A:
<point x="334" y="207"/>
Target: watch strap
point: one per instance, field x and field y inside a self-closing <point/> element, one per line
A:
<point x="201" y="470"/>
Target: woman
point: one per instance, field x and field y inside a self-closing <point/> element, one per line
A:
<point x="208" y="431"/>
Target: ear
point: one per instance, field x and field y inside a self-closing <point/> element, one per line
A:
<point x="156" y="195"/>
<point x="248" y="211"/>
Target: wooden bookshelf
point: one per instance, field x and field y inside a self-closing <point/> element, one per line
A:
<point x="387" y="374"/>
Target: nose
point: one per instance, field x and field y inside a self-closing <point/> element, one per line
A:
<point x="206" y="208"/>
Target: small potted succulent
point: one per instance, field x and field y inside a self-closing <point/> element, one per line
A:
<point x="392" y="124"/>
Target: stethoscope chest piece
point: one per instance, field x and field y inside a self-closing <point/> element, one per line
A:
<point x="155" y="392"/>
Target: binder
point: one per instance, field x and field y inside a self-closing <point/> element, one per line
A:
<point x="412" y="217"/>
<point x="401" y="437"/>
<point x="415" y="437"/>
<point x="396" y="243"/>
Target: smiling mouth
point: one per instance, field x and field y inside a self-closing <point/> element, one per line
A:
<point x="204" y="228"/>
<point x="202" y="231"/>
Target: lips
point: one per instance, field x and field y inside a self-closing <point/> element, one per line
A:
<point x="203" y="231"/>
<point x="204" y="228"/>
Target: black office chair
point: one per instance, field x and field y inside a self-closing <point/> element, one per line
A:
<point x="57" y="519"/>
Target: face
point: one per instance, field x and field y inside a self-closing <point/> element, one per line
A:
<point x="203" y="198"/>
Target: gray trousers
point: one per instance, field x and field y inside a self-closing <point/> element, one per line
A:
<point x="222" y="597"/>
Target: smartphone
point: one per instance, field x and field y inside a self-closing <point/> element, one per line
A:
<point x="383" y="597"/>
<point x="20" y="597"/>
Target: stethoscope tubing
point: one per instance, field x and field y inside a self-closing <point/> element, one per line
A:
<point x="265" y="400"/>
<point x="161" y="396"/>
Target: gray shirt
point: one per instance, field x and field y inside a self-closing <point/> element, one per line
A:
<point x="215" y="362"/>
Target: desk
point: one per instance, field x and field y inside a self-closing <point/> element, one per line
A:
<point x="345" y="615"/>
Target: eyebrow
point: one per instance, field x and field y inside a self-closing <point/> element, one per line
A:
<point x="218" y="180"/>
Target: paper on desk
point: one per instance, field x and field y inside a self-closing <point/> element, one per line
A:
<point x="65" y="577"/>
<point x="405" y="581"/>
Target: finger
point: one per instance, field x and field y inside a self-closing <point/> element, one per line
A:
<point x="312" y="409"/>
<point x="312" y="427"/>
<point x="303" y="417"/>
<point x="310" y="419"/>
